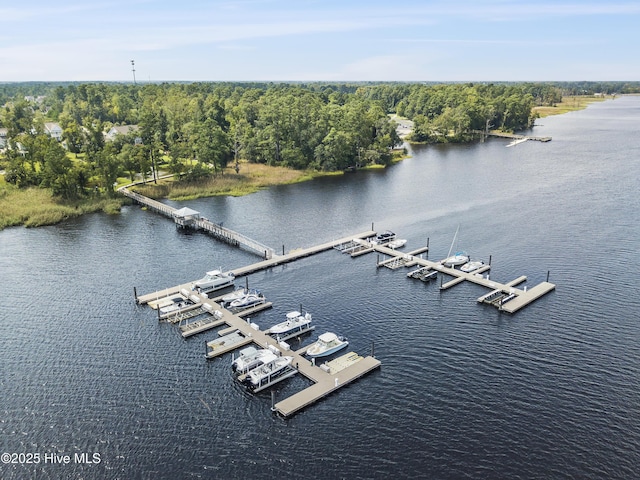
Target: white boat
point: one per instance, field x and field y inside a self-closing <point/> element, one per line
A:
<point x="249" y="299"/>
<point x="214" y="280"/>
<point x="458" y="258"/>
<point x="176" y="305"/>
<point x="400" y="242"/>
<point x="271" y="372"/>
<point x="327" y="344"/>
<point x="251" y="358"/>
<point x="384" y="237"/>
<point x="239" y="292"/>
<point x="471" y="266"/>
<point x="294" y="324"/>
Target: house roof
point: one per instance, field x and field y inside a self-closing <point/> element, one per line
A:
<point x="50" y="126"/>
<point x="123" y="129"/>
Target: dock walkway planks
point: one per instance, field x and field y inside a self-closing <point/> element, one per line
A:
<point x="521" y="298"/>
<point x="325" y="384"/>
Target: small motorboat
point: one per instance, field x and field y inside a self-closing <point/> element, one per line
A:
<point x="400" y="242"/>
<point x="214" y="280"/>
<point x="239" y="292"/>
<point x="271" y="372"/>
<point x="327" y="344"/>
<point x="384" y="237"/>
<point x="251" y="298"/>
<point x="294" y="324"/>
<point x="176" y="305"/>
<point x="250" y="358"/>
<point x="471" y="266"/>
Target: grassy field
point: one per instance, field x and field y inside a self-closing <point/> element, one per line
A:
<point x="569" y="104"/>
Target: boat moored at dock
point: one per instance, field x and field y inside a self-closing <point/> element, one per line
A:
<point x="458" y="258"/>
<point x="269" y="374"/>
<point x="250" y="358"/>
<point x="295" y="324"/>
<point x="384" y="237"/>
<point x="214" y="280"/>
<point x="472" y="266"/>
<point x="397" y="243"/>
<point x="249" y="299"/>
<point x="327" y="344"/>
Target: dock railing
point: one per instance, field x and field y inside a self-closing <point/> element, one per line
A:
<point x="216" y="230"/>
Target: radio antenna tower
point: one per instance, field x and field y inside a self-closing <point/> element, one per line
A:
<point x="133" y="69"/>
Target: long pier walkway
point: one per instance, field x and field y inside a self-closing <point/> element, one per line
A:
<point x="218" y="231"/>
<point x="263" y="265"/>
<point x="513" y="136"/>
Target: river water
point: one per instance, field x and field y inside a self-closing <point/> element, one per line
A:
<point x="464" y="391"/>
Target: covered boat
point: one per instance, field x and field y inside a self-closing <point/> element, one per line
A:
<point x="294" y="324"/>
<point x="214" y="280"/>
<point x="250" y="358"/>
<point x="384" y="237"/>
<point x="269" y="373"/>
<point x="327" y="344"/>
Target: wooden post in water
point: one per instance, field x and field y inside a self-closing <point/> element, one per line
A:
<point x="282" y="249"/>
<point x="135" y="294"/>
<point x="373" y="348"/>
<point x="489" y="259"/>
<point x="246" y="283"/>
<point x="547" y="275"/>
<point x="273" y="400"/>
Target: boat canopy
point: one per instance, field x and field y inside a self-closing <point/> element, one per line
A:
<point x="214" y="273"/>
<point x="294" y="314"/>
<point x="328" y="337"/>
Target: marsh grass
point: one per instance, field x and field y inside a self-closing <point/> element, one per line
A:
<point x="251" y="178"/>
<point x="569" y="104"/>
<point x="34" y="207"/>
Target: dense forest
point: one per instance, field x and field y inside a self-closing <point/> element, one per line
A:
<point x="198" y="129"/>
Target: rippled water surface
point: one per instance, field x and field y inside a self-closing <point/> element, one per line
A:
<point x="464" y="390"/>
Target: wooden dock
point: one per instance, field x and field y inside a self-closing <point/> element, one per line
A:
<point x="331" y="376"/>
<point x="513" y="136"/>
<point x="240" y="333"/>
<point x="218" y="231"/>
<point x="518" y="298"/>
<point x="167" y="293"/>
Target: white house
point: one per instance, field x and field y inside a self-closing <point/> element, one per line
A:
<point x="53" y="130"/>
<point x="122" y="130"/>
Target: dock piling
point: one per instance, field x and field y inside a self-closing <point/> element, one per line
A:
<point x="489" y="259"/>
<point x="547" y="275"/>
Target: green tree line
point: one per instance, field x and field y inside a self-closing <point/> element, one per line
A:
<point x="198" y="129"/>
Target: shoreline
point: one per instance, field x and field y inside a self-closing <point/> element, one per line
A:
<point x="36" y="207"/>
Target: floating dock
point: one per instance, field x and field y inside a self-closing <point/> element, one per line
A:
<point x="329" y="376"/>
<point x="518" y="298"/>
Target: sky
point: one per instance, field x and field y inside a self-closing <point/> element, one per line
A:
<point x="327" y="40"/>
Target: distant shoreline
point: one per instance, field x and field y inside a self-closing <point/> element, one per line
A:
<point x="36" y="206"/>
